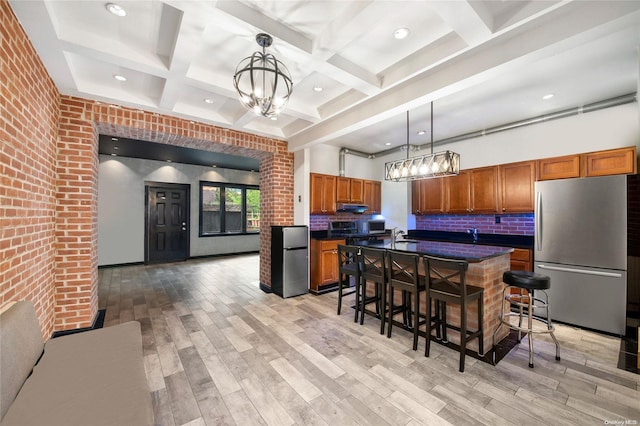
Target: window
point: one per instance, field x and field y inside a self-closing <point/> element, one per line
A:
<point x="229" y="209"/>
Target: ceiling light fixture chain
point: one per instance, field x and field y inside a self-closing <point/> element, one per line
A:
<point x="426" y="166"/>
<point x="262" y="81"/>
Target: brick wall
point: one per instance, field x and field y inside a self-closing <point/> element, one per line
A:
<point x="510" y="224"/>
<point x="29" y="105"/>
<point x="48" y="239"/>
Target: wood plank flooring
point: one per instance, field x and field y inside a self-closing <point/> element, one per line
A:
<point x="219" y="351"/>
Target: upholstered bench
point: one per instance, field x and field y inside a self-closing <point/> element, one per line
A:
<point x="91" y="378"/>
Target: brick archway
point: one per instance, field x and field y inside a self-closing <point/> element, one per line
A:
<point x="81" y="121"/>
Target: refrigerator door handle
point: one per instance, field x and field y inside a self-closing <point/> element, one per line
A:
<point x="538" y="221"/>
<point x="581" y="271"/>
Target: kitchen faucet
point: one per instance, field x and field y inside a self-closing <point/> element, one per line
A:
<point x="395" y="233"/>
<point x="474" y="232"/>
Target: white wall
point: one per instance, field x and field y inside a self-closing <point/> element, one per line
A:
<point x="121" y="207"/>
<point x="609" y="128"/>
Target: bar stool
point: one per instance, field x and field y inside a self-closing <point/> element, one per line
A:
<point x="403" y="275"/>
<point x="525" y="284"/>
<point x="446" y="284"/>
<point x="374" y="268"/>
<point x="348" y="266"/>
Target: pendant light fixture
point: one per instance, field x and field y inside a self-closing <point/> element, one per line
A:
<point x="263" y="82"/>
<point x="446" y="163"/>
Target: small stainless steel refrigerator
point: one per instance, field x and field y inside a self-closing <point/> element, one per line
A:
<point x="289" y="260"/>
<point x="581" y="244"/>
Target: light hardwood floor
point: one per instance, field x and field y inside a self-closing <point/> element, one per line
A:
<point x="219" y="351"/>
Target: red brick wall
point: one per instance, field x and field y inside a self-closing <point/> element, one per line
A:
<point x="48" y="159"/>
<point x="510" y="224"/>
<point x="29" y="105"/>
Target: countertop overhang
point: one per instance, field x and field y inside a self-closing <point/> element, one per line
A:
<point x="472" y="253"/>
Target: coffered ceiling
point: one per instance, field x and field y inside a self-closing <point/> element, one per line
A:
<point x="482" y="63"/>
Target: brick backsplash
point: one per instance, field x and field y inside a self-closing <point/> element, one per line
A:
<point x="510" y="224"/>
<point x="321" y="222"/>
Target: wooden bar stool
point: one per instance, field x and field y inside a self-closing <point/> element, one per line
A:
<point x="348" y="267"/>
<point x="522" y="303"/>
<point x="446" y="284"/>
<point x="403" y="275"/>
<point x="374" y="268"/>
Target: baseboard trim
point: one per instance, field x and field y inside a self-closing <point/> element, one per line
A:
<point x="98" y="322"/>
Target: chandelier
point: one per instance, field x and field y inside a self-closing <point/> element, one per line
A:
<point x="446" y="163"/>
<point x="262" y="81"/>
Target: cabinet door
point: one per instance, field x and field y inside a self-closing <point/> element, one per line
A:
<point x="372" y="196"/>
<point x="356" y="191"/>
<point x="484" y="190"/>
<point x="428" y="196"/>
<point x="516" y="187"/>
<point x="559" y="167"/>
<point x="458" y="193"/>
<point x="323" y="194"/>
<point x="329" y="267"/>
<point x="343" y="190"/>
<point x="612" y="162"/>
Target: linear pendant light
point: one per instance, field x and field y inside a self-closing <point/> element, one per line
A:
<point x="440" y="164"/>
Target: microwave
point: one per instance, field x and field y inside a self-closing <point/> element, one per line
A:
<point x="375" y="226"/>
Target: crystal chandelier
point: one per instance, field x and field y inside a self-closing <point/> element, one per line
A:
<point x="446" y="163"/>
<point x="262" y="81"/>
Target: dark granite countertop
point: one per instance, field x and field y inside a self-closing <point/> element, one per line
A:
<point x="472" y="253"/>
<point x="323" y="235"/>
<point x="516" y="241"/>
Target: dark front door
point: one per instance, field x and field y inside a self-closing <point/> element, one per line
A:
<point x="167" y="229"/>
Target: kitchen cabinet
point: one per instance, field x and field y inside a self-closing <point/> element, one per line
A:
<point x="568" y="166"/>
<point x="484" y="190"/>
<point x="324" y="265"/>
<point x="349" y="190"/>
<point x="612" y="162"/>
<point x="428" y="196"/>
<point x="323" y="193"/>
<point x="517" y="187"/>
<point x="372" y="196"/>
<point x="473" y="191"/>
<point x="458" y="192"/>
<point x="521" y="260"/>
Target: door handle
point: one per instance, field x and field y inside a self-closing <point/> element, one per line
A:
<point x="581" y="271"/>
<point x="538" y="221"/>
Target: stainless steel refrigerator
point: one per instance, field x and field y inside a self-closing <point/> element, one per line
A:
<point x="581" y="244"/>
<point x="289" y="260"/>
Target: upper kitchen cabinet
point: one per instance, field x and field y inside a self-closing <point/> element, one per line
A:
<point x="517" y="187"/>
<point x="484" y="190"/>
<point x="428" y="196"/>
<point x="473" y="191"/>
<point x="457" y="190"/>
<point x="565" y="167"/>
<point x="612" y="162"/>
<point x="323" y="193"/>
<point x="349" y="190"/>
<point x="373" y="196"/>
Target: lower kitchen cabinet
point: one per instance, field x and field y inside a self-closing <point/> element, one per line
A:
<point x="521" y="260"/>
<point x="324" y="265"/>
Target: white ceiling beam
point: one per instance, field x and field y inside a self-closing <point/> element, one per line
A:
<point x="542" y="38"/>
<point x="472" y="22"/>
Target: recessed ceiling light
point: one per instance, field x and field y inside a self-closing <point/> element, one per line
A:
<point x="274" y="118"/>
<point x="120" y="77"/>
<point x="116" y="9"/>
<point x="318" y="88"/>
<point x="208" y="101"/>
<point x="548" y="96"/>
<point x="387" y="144"/>
<point x="401" y="33"/>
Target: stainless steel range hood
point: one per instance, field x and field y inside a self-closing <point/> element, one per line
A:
<point x="351" y="208"/>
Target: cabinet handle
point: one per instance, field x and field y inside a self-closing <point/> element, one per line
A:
<point x="504" y="209"/>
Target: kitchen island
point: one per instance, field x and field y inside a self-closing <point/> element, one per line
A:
<point x="486" y="266"/>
